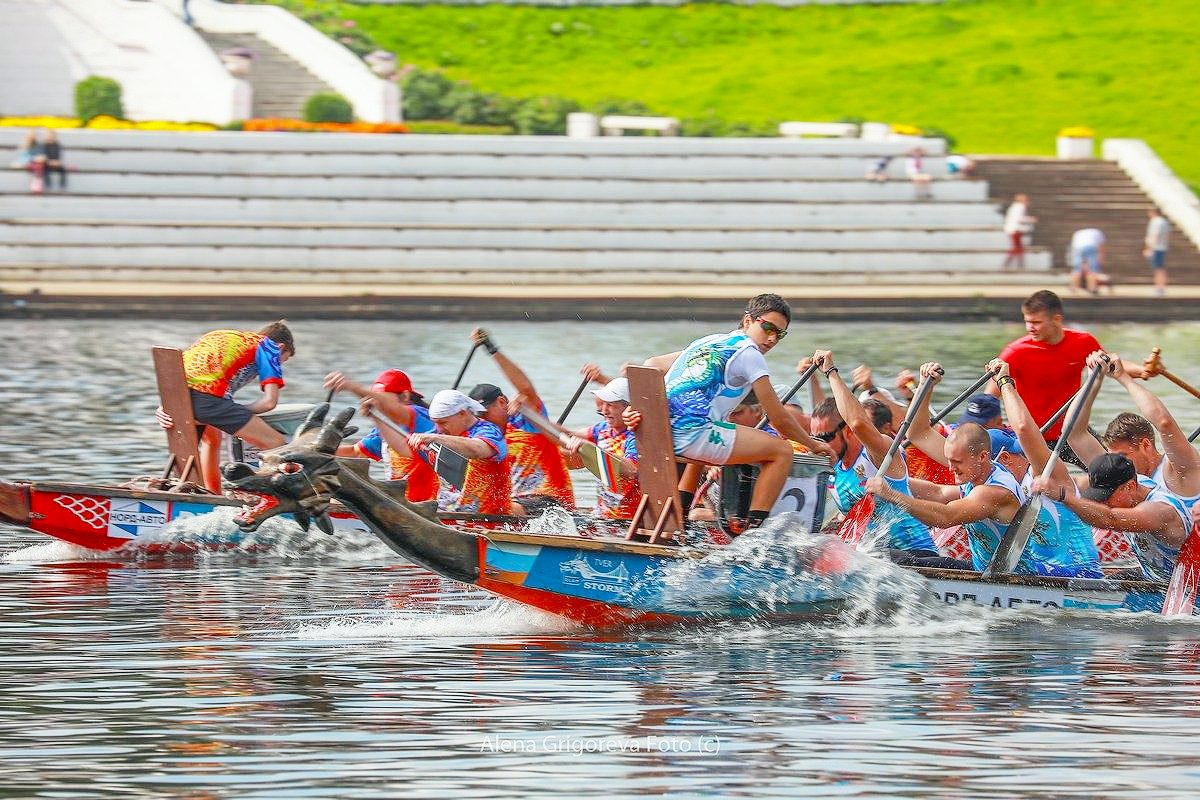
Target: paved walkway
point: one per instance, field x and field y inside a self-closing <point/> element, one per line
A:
<point x="35" y="71"/>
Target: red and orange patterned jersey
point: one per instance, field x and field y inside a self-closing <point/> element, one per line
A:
<point x="221" y="362"/>
<point x="487" y="488"/>
<point x="422" y="480"/>
<point x="538" y="466"/>
<point x="623" y="444"/>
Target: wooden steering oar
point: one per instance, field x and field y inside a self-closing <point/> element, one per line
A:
<point x="1154" y="366"/>
<point x="855" y="524"/>
<point x="1016" y="535"/>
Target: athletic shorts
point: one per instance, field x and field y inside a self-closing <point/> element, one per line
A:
<point x="1158" y="259"/>
<point x="219" y="412"/>
<point x="1086" y="255"/>
<point x="712" y="445"/>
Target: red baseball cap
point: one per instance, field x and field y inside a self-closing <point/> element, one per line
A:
<point x="394" y="381"/>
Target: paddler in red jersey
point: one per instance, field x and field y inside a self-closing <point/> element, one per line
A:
<point x="487" y="488"/>
<point x="217" y="365"/>
<point x="1047" y="363"/>
<point x="540" y="477"/>
<point x="392" y="395"/>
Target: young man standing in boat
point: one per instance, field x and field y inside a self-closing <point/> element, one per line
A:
<point x="859" y="436"/>
<point x="1047" y="363"/>
<point x="985" y="501"/>
<point x="487" y="488"/>
<point x="393" y="396"/>
<point x="540" y="477"/>
<point x="216" y="366"/>
<point x="707" y="380"/>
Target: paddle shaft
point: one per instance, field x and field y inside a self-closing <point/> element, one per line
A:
<point x="574" y="398"/>
<point x="797" y="386"/>
<point x="956" y="402"/>
<point x="924" y="389"/>
<point x="1057" y="416"/>
<point x="1075" y="409"/>
<point x="1195" y="434"/>
<point x="463" y="371"/>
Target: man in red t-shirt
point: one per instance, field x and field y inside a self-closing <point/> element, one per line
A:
<point x="1047" y="365"/>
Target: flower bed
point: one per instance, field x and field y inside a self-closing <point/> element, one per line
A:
<point x="279" y="124"/>
<point x="104" y="123"/>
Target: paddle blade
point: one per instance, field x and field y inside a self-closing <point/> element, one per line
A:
<point x="449" y="465"/>
<point x="605" y="466"/>
<point x="858" y="520"/>
<point x="1181" y="593"/>
<point x="1016" y="536"/>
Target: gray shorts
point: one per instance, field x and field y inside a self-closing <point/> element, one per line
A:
<point x="219" y="412"/>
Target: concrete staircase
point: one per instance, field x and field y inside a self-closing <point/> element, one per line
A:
<point x="1068" y="195"/>
<point x="377" y="210"/>
<point x="281" y="85"/>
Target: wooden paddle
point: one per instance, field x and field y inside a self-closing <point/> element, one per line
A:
<point x="1016" y="535"/>
<point x="1195" y="434"/>
<point x="463" y="371"/>
<point x="1181" y="592"/>
<point x="571" y="403"/>
<point x="1154" y="366"/>
<point x="854" y="526"/>
<point x="956" y="402"/>
<point x="450" y="466"/>
<point x="605" y="466"/>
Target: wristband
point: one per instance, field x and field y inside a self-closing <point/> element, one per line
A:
<point x="830" y="370"/>
<point x="1062" y="494"/>
<point x="874" y="390"/>
<point x="1005" y="381"/>
<point x="491" y="348"/>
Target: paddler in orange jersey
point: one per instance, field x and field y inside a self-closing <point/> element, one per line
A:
<point x="540" y="477"/>
<point x="392" y="395"/>
<point x="487" y="488"/>
<point x="217" y="365"/>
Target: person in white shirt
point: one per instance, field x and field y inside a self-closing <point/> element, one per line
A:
<point x="1017" y="223"/>
<point x="1158" y="231"/>
<point x="1087" y="260"/>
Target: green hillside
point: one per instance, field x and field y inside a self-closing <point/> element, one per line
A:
<point x="1002" y="76"/>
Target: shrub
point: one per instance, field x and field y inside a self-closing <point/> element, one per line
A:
<point x="934" y="132"/>
<point x="543" y="115"/>
<point x="442" y="126"/>
<point x="96" y="96"/>
<point x="469" y="107"/>
<point x="328" y="107"/>
<point x="236" y="125"/>
<point x="425" y="93"/>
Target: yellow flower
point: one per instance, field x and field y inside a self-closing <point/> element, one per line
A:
<point x="1077" y="132"/>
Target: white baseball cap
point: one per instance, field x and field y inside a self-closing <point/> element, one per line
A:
<point x="449" y="402"/>
<point x="615" y="391"/>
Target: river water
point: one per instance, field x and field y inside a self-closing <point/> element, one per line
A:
<point x="316" y="667"/>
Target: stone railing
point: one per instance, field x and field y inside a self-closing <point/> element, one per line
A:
<point x="1169" y="193"/>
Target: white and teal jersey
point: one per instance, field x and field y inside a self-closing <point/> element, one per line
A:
<point x="848" y="481"/>
<point x="904" y="531"/>
<point x="1160" y="481"/>
<point x="1075" y="553"/>
<point x="1157" y="557"/>
<point x="701" y="387"/>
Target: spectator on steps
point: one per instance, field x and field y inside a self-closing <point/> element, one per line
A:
<point x="1087" y="260"/>
<point x="29" y="149"/>
<point x="879" y="170"/>
<point x="914" y="168"/>
<point x="1017" y="223"/>
<point x="960" y="166"/>
<point x="52" y="162"/>
<point x="1158" y="230"/>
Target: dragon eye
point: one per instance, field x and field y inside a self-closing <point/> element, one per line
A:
<point x="290" y="467"/>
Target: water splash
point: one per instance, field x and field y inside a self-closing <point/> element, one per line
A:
<point x="500" y="618"/>
<point x="555" y="521"/>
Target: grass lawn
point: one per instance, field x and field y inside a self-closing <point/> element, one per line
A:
<point x="1002" y="76"/>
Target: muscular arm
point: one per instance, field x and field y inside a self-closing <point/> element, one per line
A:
<point x="859" y="421"/>
<point x="929" y="441"/>
<point x="471" y="447"/>
<point x="1183" y="462"/>
<point x="662" y="363"/>
<point x="927" y="490"/>
<point x="1029" y="435"/>
<point x="517" y="377"/>
<point x="1157" y="519"/>
<point x="779" y="417"/>
<point x="983" y="502"/>
<point x="1080" y="439"/>
<point x="269" y="400"/>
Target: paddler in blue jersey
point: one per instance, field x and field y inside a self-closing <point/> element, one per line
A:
<point x="985" y="501"/>
<point x="707" y="380"/>
<point x="906" y="538"/>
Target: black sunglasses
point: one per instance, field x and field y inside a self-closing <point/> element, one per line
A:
<point x="771" y="329"/>
<point x="827" y="437"/>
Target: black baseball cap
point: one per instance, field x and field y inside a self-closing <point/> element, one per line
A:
<point x="486" y="393"/>
<point x="1107" y="473"/>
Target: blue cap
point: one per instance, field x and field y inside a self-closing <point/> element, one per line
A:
<point x="981" y="409"/>
<point x="1004" y="440"/>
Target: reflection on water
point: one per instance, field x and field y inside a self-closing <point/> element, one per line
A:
<point x="329" y="669"/>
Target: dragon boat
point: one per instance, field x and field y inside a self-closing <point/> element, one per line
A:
<point x="653" y="575"/>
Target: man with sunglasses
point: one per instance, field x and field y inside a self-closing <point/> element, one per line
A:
<point x="861" y="434"/>
<point x="707" y="380"/>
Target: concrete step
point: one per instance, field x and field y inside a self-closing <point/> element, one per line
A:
<point x="242" y="259"/>
<point x="49" y="234"/>
<point x="280" y="84"/>
<point x="416" y="210"/>
<point x="454" y="188"/>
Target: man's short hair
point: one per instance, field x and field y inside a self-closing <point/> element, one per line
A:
<point x="880" y="414"/>
<point x="827" y="409"/>
<point x="766" y="303"/>
<point x="751" y="399"/>
<point x="975" y="437"/>
<point x="1128" y="427"/>
<point x="279" y="333"/>
<point x="1043" y="300"/>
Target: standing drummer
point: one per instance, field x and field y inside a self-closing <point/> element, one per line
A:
<point x="1047" y="363"/>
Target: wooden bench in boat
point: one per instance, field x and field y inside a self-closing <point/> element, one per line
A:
<point x="183" y="463"/>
